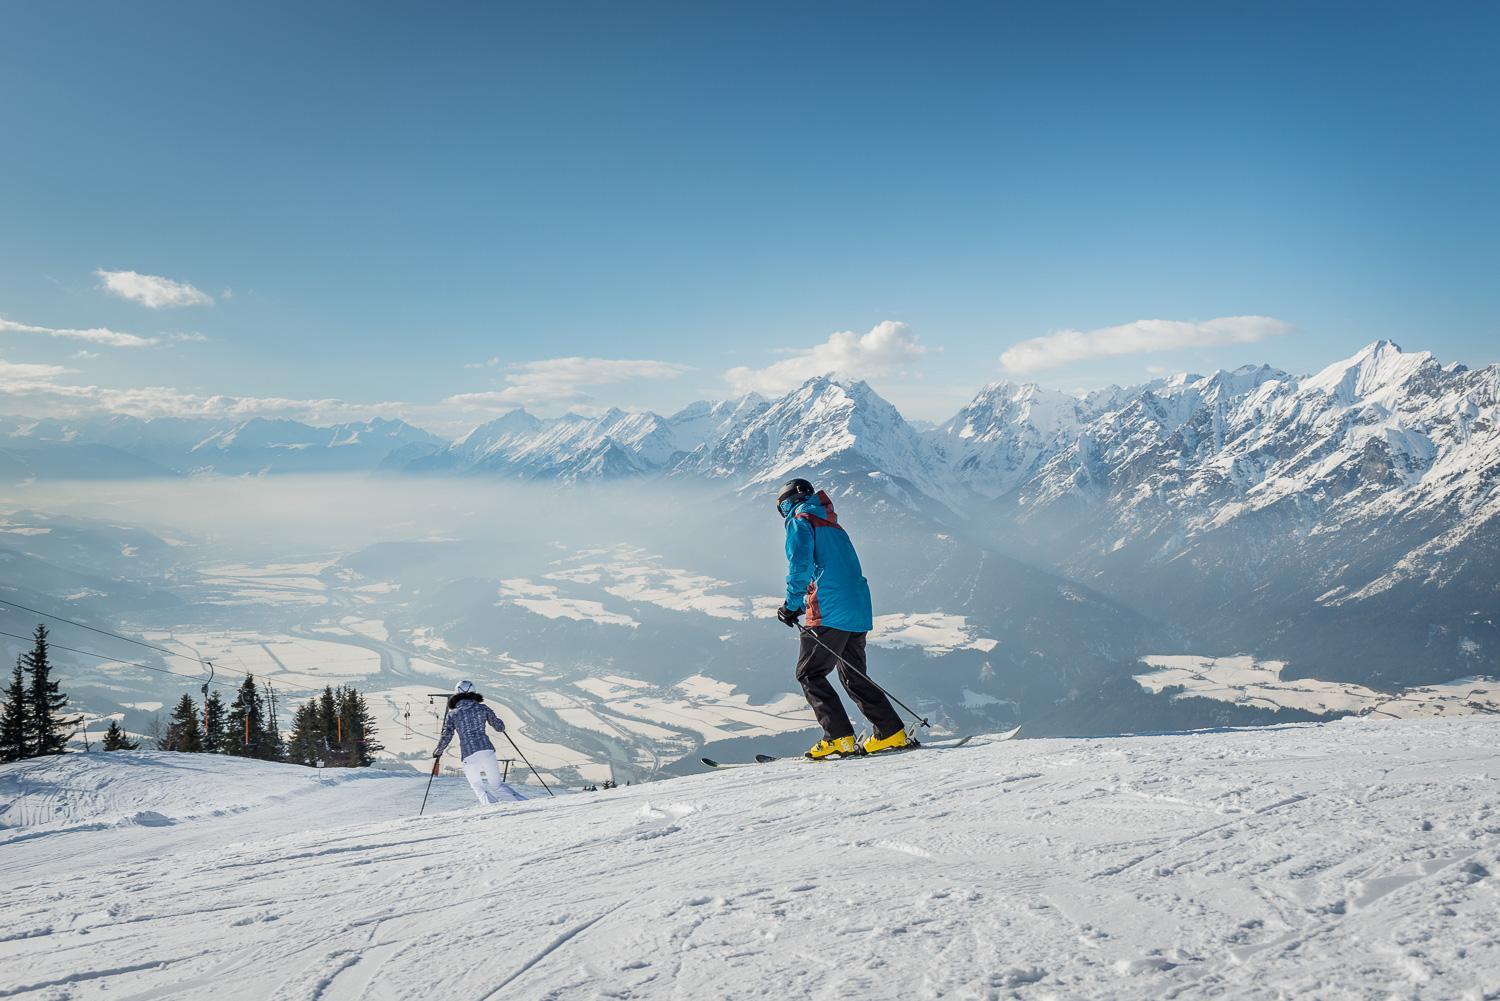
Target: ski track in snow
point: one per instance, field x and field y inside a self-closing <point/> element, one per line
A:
<point x="1354" y="859"/>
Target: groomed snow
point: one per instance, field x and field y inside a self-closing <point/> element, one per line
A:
<point x="1348" y="860"/>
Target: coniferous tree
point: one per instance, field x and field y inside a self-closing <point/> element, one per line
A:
<point x="305" y="745"/>
<point x="357" y="727"/>
<point x="328" y="727"/>
<point x="215" y="724"/>
<point x="184" y="733"/>
<point x="247" y="712"/>
<point x="116" y="740"/>
<point x="50" y="729"/>
<point x="15" y="718"/>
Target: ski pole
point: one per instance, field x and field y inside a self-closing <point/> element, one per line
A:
<point x="530" y="765"/>
<point x="436" y="764"/>
<point x="807" y="631"/>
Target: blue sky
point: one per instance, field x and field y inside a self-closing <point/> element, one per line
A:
<point x="580" y="205"/>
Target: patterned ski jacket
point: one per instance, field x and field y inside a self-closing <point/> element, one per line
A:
<point x="823" y="573"/>
<point x="467" y="714"/>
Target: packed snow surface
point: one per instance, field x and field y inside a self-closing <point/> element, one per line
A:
<point x="1354" y="859"/>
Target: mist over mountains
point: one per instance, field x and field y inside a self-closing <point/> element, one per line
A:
<point x="1343" y="522"/>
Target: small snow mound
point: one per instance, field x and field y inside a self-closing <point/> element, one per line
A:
<point x="675" y="811"/>
<point x="1017" y="976"/>
<point x="1146" y="964"/>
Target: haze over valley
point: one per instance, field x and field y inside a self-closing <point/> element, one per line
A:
<point x="1239" y="547"/>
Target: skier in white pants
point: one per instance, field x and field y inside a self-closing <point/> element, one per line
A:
<point x="468" y="715"/>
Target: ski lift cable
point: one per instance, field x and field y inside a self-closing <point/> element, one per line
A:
<point x="202" y="662"/>
<point x="101" y="656"/>
<point x="101" y="632"/>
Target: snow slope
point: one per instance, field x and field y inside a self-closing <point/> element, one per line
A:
<point x="1347" y="860"/>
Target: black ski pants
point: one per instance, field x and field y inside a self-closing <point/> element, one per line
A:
<point x="815" y="664"/>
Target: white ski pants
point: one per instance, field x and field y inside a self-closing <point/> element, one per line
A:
<point x="482" y="769"/>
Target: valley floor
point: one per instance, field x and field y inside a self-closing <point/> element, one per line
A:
<point x="1355" y="859"/>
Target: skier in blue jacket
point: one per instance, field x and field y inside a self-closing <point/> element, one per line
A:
<point x="824" y="581"/>
<point x="467" y="716"/>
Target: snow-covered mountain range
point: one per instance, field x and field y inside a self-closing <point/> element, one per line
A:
<point x="119" y="446"/>
<point x="1346" y="519"/>
<point x="1382" y="430"/>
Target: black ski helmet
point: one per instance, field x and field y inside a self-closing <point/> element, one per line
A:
<point x="798" y="488"/>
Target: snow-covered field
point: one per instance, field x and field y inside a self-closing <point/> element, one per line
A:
<point x="1247" y="681"/>
<point x="714" y="711"/>
<point x="935" y="632"/>
<point x="1348" y="860"/>
<point x="289" y="661"/>
<point x="544" y="599"/>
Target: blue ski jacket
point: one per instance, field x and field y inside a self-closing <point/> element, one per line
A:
<point x="467" y="716"/>
<point x="823" y="572"/>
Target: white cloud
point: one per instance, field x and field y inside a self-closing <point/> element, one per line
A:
<point x="85" y="355"/>
<point x="45" y="397"/>
<point x="24" y="374"/>
<point x="94" y="335"/>
<point x="152" y="291"/>
<point x="1066" y="346"/>
<point x="39" y="391"/>
<point x="886" y="349"/>
<point x="561" y="381"/>
<point x="487" y="363"/>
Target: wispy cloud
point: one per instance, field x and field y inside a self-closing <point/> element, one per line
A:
<point x="38" y="393"/>
<point x="45" y="391"/>
<point x="94" y="335"/>
<point x="487" y="363"/>
<point x="888" y="348"/>
<point x="152" y="291"/>
<point x="24" y="373"/>
<point x="563" y="381"/>
<point x="1066" y="346"/>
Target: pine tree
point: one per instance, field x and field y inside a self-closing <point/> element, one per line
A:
<point x="116" y="740"/>
<point x="305" y="745"/>
<point x="358" y="728"/>
<point x="328" y="727"/>
<point x="183" y="731"/>
<point x="15" y="719"/>
<point x="247" y="712"/>
<point x="215" y="724"/>
<point x="49" y="729"/>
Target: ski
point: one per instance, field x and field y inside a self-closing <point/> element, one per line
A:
<point x="946" y="744"/>
<point x="710" y="762"/>
<point x="933" y="745"/>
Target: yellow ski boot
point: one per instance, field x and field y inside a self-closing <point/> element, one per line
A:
<point x="843" y="747"/>
<point x="895" y="742"/>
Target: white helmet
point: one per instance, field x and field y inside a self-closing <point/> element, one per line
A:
<point x="463" y="688"/>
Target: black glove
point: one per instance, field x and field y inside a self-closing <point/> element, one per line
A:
<point x="788" y="616"/>
<point x="437" y="754"/>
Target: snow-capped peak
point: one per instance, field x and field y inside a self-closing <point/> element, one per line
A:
<point x="1374" y="367"/>
<point x="826" y="425"/>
